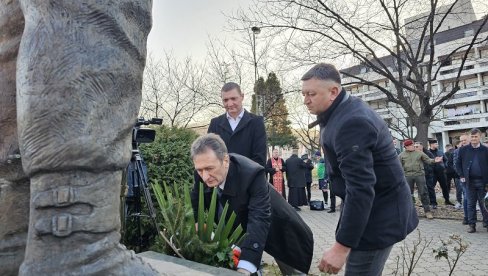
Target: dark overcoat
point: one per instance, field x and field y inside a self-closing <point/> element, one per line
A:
<point x="270" y="222"/>
<point x="464" y="160"/>
<point x="363" y="165"/>
<point x="295" y="172"/>
<point x="248" y="139"/>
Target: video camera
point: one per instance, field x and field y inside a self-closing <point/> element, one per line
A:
<point x="145" y="135"/>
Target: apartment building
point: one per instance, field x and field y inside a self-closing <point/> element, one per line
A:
<point x="468" y="108"/>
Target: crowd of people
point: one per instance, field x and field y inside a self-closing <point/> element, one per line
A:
<point x="297" y="171"/>
<point x="462" y="166"/>
<point x="360" y="166"/>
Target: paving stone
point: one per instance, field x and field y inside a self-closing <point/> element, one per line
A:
<point x="473" y="262"/>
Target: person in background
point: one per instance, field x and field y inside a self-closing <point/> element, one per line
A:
<point x="295" y="176"/>
<point x="243" y="132"/>
<point x="472" y="164"/>
<point x="363" y="165"/>
<point x="451" y="175"/>
<point x="440" y="171"/>
<point x="429" y="174"/>
<point x="485" y="141"/>
<point x="322" y="177"/>
<point x="395" y="144"/>
<point x="308" y="175"/>
<point x="464" y="140"/>
<point x="413" y="165"/>
<point x="276" y="167"/>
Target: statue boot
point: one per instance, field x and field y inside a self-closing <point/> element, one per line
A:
<point x="74" y="227"/>
<point x="79" y="78"/>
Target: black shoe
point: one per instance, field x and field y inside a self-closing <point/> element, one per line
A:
<point x="331" y="211"/>
<point x="471" y="228"/>
<point x="297" y="208"/>
<point x="465" y="222"/>
<point x="434" y="206"/>
<point x="448" y="203"/>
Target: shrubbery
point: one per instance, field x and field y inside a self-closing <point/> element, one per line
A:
<point x="168" y="161"/>
<point x="168" y="157"/>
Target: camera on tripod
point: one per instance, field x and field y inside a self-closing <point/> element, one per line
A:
<point x="137" y="181"/>
<point x="140" y="135"/>
<point x="145" y="135"/>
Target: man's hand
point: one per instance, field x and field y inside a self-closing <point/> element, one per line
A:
<point x="438" y="159"/>
<point x="334" y="258"/>
<point x="243" y="271"/>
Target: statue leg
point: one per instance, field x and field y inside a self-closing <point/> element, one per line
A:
<point x="14" y="185"/>
<point x="79" y="79"/>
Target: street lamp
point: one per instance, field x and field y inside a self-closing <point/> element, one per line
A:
<point x="255" y="31"/>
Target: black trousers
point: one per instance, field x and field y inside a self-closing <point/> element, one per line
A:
<point x="440" y="176"/>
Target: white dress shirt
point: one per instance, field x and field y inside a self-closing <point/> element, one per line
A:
<point x="234" y="122"/>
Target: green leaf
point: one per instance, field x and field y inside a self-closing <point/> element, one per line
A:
<point x="221" y="225"/>
<point x="211" y="216"/>
<point x="201" y="212"/>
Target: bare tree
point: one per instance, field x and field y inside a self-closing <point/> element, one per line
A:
<point x="175" y="91"/>
<point x="394" y="39"/>
<point x="300" y="119"/>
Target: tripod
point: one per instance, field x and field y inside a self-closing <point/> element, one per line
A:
<point x="138" y="176"/>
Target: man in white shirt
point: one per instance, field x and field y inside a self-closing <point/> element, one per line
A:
<point x="243" y="132"/>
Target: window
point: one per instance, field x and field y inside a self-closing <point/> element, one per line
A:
<point x="484" y="53"/>
<point x="468" y="33"/>
<point x="470" y="83"/>
<point x="485" y="79"/>
<point x="445" y="61"/>
<point x="354" y="89"/>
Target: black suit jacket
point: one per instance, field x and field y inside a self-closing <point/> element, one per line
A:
<point x="366" y="173"/>
<point x="270" y="222"/>
<point x="248" y="139"/>
<point x="295" y="172"/>
<point x="464" y="160"/>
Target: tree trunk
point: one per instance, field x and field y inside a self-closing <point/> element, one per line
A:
<point x="422" y="126"/>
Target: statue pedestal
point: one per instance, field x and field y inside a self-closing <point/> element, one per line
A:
<point x="168" y="265"/>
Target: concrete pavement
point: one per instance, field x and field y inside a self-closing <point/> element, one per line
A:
<point x="473" y="262"/>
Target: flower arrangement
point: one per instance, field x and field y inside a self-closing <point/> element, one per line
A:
<point x="205" y="242"/>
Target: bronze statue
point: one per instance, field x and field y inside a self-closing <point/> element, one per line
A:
<point x="70" y="90"/>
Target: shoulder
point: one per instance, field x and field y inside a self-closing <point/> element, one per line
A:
<point x="252" y="116"/>
<point x="244" y="163"/>
<point x="220" y="117"/>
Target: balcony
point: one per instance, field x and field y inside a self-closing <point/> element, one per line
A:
<point x="385" y="113"/>
<point x="371" y="95"/>
<point x="471" y="67"/>
<point x="468" y="95"/>
<point x="466" y="121"/>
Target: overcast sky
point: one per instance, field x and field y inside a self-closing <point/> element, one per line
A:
<point x="184" y="26"/>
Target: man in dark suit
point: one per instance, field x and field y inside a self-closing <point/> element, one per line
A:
<point x="440" y="171"/>
<point x="471" y="163"/>
<point x="242" y="132"/>
<point x="363" y="165"/>
<point x="269" y="222"/>
<point x="295" y="177"/>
